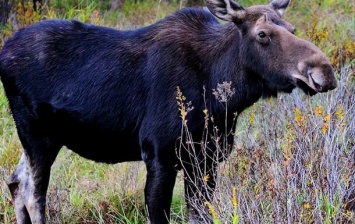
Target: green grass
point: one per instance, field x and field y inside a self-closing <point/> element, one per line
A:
<point x="290" y="163"/>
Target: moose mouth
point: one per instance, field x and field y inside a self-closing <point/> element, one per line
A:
<point x="305" y="88"/>
<point x="307" y="84"/>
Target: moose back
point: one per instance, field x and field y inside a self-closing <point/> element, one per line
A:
<point x="110" y="95"/>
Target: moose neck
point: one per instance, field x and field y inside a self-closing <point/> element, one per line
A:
<point x="227" y="67"/>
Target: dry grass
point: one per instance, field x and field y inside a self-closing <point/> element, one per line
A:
<point x="294" y="160"/>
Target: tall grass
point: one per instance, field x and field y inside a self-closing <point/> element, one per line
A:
<point x="293" y="160"/>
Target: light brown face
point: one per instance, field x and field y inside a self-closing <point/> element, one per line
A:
<point x="271" y="50"/>
<point x="287" y="57"/>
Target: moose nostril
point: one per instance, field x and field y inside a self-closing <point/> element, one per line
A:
<point x="333" y="85"/>
<point x="329" y="75"/>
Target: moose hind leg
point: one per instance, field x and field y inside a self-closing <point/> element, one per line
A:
<point x="28" y="186"/>
<point x="28" y="202"/>
<point x="29" y="182"/>
<point x="17" y="185"/>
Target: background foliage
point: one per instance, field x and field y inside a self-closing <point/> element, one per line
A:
<point x="294" y="157"/>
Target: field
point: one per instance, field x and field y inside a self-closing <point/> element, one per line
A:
<point x="294" y="157"/>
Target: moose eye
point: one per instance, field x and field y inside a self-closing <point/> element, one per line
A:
<point x="262" y="34"/>
<point x="263" y="38"/>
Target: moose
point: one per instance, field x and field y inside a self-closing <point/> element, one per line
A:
<point x="109" y="95"/>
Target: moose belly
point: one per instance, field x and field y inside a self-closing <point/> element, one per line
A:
<point x="91" y="139"/>
<point x="108" y="147"/>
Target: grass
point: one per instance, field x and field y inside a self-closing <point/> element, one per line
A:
<point x="108" y="193"/>
<point x="294" y="156"/>
<point x="293" y="163"/>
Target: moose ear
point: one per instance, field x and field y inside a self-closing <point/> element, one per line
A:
<point x="227" y="10"/>
<point x="280" y="5"/>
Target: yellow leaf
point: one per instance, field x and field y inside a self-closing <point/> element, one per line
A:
<point x="319" y="111"/>
<point x="306" y="205"/>
<point x="206" y="177"/>
<point x="340" y="112"/>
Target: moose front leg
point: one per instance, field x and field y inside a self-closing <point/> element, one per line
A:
<point x="159" y="192"/>
<point x="161" y="176"/>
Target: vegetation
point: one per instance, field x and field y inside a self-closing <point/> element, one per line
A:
<point x="294" y="158"/>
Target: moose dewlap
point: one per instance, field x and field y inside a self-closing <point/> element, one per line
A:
<point x="110" y="95"/>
